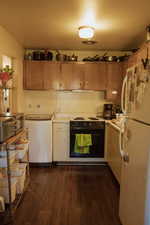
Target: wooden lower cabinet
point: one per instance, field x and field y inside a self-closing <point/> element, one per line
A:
<point x="60" y="141"/>
<point x="113" y="153"/>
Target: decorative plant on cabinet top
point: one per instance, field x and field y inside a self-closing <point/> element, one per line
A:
<point x="6" y="77"/>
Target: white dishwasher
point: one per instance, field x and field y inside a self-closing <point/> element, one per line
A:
<point x="40" y="138"/>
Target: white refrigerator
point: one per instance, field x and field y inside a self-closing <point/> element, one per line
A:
<point x="134" y="208"/>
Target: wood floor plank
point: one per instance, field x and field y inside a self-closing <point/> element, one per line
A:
<point x="70" y="195"/>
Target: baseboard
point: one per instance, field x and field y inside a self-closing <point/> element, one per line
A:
<point x="81" y="163"/>
<point x="40" y="164"/>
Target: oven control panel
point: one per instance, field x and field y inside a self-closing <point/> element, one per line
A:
<point x="87" y="125"/>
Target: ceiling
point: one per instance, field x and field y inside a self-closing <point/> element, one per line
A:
<point x="53" y="24"/>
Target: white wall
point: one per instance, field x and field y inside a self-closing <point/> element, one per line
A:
<point x="64" y="102"/>
<point x="10" y="47"/>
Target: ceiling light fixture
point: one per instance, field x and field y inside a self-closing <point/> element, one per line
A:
<point x="86" y="32"/>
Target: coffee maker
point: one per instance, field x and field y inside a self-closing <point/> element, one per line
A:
<point x="108" y="111"/>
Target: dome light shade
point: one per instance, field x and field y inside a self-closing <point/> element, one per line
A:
<point x="86" y="32"/>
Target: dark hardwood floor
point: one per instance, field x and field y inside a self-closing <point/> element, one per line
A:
<point x="70" y="195"/>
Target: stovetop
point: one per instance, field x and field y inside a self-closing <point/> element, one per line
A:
<point x="79" y="118"/>
<point x="93" y="118"/>
<point x="87" y="119"/>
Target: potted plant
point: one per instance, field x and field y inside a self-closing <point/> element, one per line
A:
<point x="6" y="75"/>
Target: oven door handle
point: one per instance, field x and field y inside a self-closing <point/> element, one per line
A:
<point x="87" y="129"/>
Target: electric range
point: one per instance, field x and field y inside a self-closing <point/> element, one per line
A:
<point x="87" y="127"/>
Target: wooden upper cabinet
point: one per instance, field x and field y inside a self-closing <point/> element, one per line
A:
<point x="45" y="75"/>
<point x="95" y="76"/>
<point x="71" y="76"/>
<point x="114" y="82"/>
<point x="33" y="75"/>
<point x="52" y="75"/>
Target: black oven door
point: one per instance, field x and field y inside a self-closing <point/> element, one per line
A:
<point x="96" y="149"/>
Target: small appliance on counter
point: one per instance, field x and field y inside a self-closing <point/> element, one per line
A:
<point x="10" y="125"/>
<point x="108" y="111"/>
<point x="17" y="117"/>
<point x="7" y="128"/>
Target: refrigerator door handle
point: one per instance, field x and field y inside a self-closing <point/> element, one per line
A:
<point x="123" y="102"/>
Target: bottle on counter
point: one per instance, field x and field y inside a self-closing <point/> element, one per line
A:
<point x="28" y="55"/>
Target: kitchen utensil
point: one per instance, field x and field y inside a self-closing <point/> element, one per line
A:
<point x="146" y="61"/>
<point x="88" y="59"/>
<point x="122" y="58"/>
<point x="36" y="55"/>
<point x="49" y="55"/>
<point x="110" y="58"/>
<point x="42" y="55"/>
<point x="73" y="58"/>
<point x="60" y="57"/>
<point x="96" y="58"/>
<point x="101" y="58"/>
<point x="148" y="33"/>
<point x="134" y="50"/>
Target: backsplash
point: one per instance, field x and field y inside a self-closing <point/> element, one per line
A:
<point x="40" y="101"/>
<point x="91" y="102"/>
<point x="63" y="102"/>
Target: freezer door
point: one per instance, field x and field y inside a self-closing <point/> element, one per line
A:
<point x="134" y="176"/>
<point x="136" y="92"/>
<point x="127" y="87"/>
<point x="142" y="104"/>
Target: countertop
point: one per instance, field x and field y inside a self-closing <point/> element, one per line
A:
<point x="64" y="119"/>
<point x="117" y="127"/>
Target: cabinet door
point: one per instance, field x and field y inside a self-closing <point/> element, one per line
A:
<point x="114" y="83"/>
<point x="60" y="141"/>
<point x="52" y="75"/>
<point x="71" y="76"/>
<point x="113" y="154"/>
<point x="34" y="75"/>
<point x="95" y="76"/>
